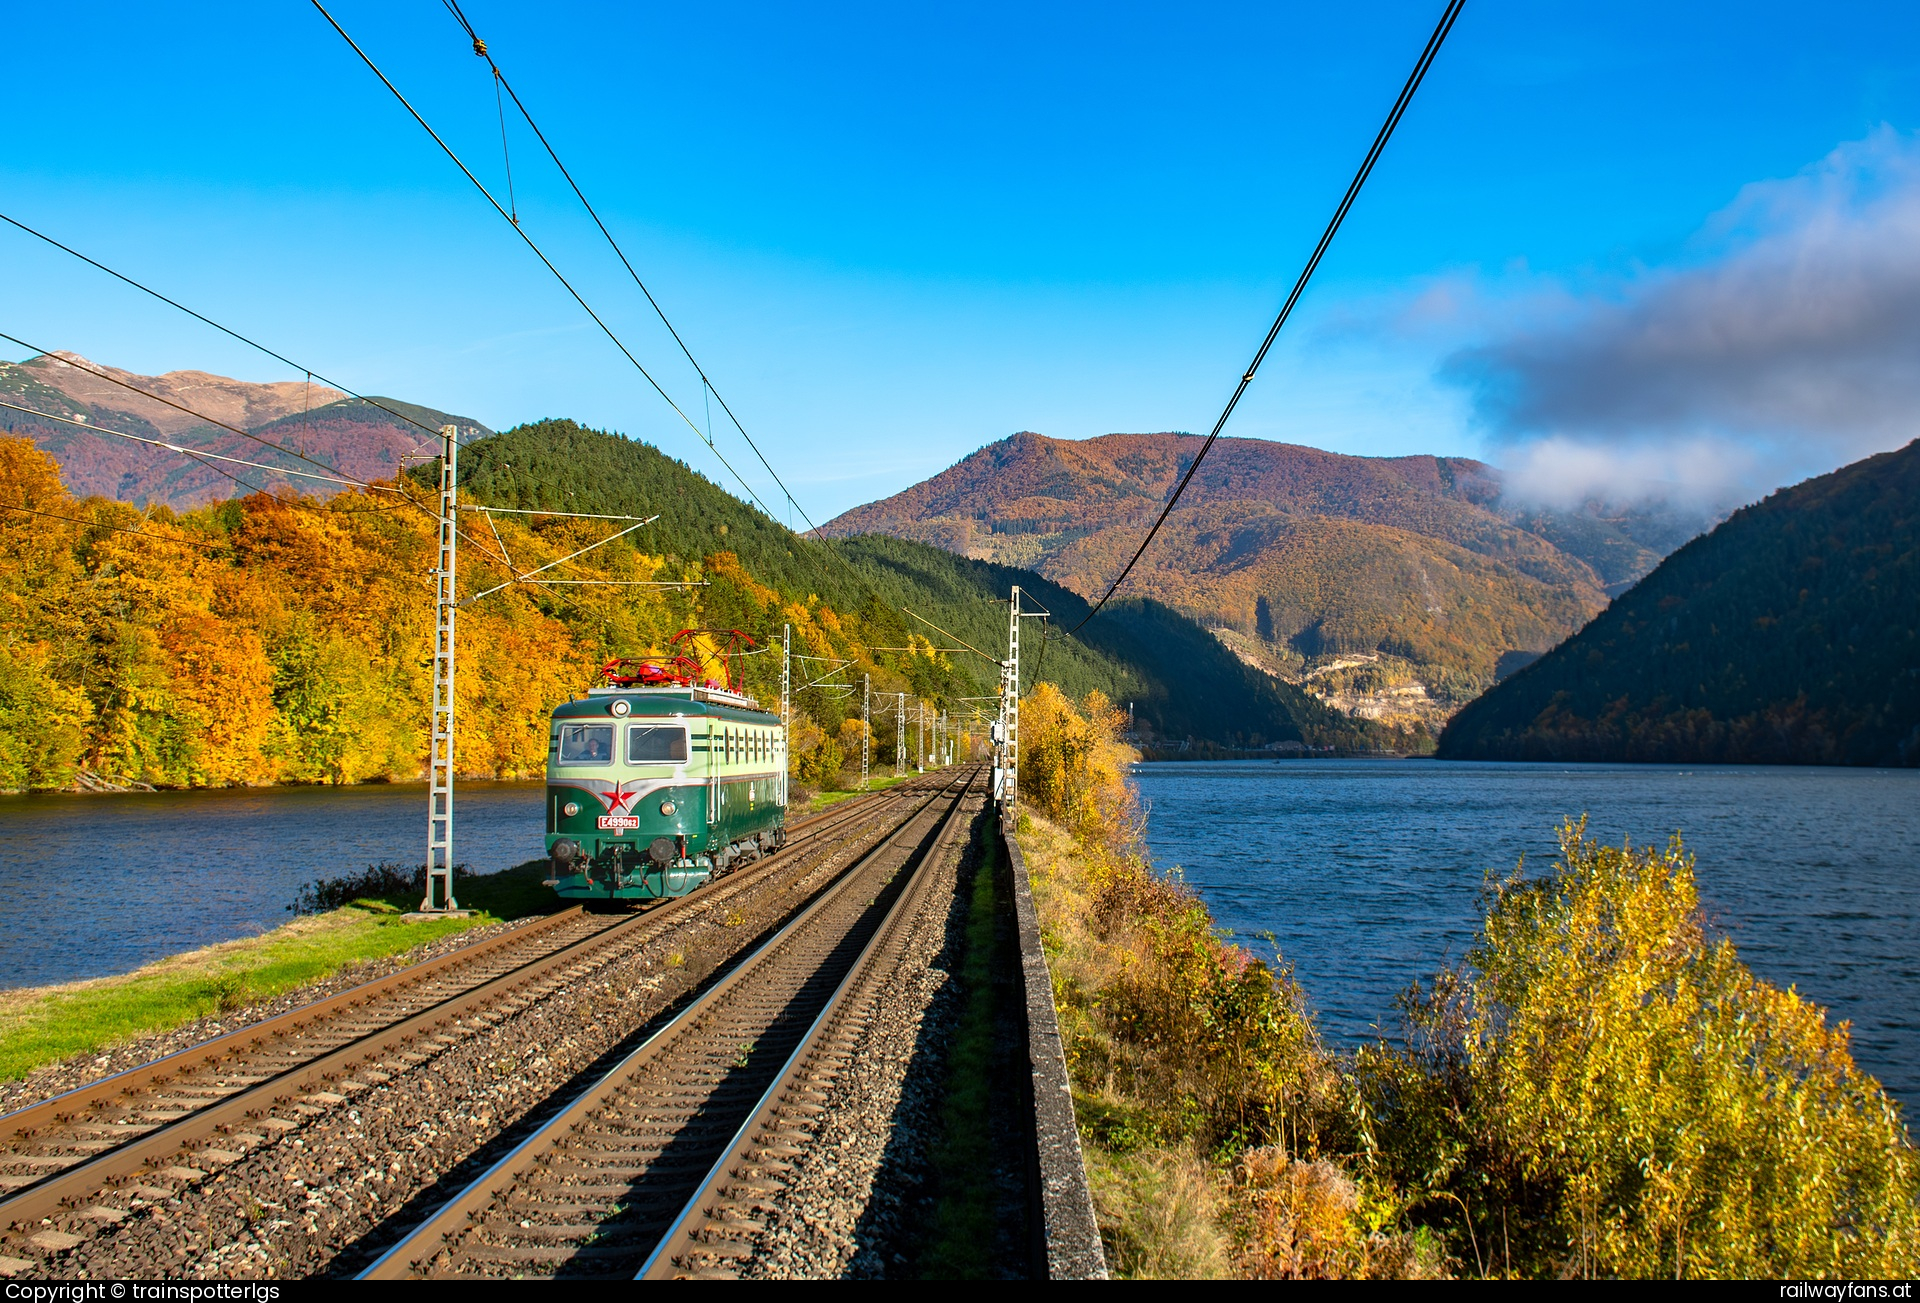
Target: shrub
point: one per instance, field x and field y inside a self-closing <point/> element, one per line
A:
<point x="820" y="767"/>
<point x="1073" y="765"/>
<point x="1601" y="1088"/>
<point x="1604" y="1090"/>
<point x="375" y="882"/>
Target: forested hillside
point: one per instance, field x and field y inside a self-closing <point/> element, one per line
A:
<point x="287" y="639"/>
<point x="1788" y="635"/>
<point x="1183" y="683"/>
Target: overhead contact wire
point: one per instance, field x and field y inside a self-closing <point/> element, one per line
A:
<point x="118" y="529"/>
<point x="199" y="416"/>
<point x="500" y="78"/>
<point x="1427" y="55"/>
<point x="174" y="447"/>
<point x="205" y="320"/>
<point x="537" y="252"/>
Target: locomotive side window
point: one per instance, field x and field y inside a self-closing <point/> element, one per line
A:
<point x="649" y="744"/>
<point x="586" y="744"/>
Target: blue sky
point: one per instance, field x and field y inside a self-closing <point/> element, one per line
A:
<point x="895" y="233"/>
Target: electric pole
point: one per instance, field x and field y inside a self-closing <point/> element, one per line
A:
<point x="900" y="735"/>
<point x="920" y="739"/>
<point x="1009" y="729"/>
<point x="786" y="705"/>
<point x="440" y="758"/>
<point x="866" y="726"/>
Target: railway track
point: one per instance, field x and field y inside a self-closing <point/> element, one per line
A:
<point x="658" y="1166"/>
<point x="71" y="1166"/>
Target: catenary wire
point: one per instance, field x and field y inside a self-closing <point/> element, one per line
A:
<point x="225" y="330"/>
<point x="118" y="529"/>
<point x="97" y="373"/>
<point x="537" y="252"/>
<point x="200" y="458"/>
<point x="500" y="80"/>
<point x="1353" y="190"/>
<point x="174" y="447"/>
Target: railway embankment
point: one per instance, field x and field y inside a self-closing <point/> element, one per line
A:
<point x="347" y="930"/>
<point x="311" y="1144"/>
<point x="1598" y="1088"/>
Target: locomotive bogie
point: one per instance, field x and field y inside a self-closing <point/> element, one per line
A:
<point x="652" y="792"/>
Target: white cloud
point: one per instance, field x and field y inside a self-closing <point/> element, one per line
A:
<point x="1786" y="343"/>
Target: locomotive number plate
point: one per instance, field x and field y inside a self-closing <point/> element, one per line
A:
<point x="619" y="822"/>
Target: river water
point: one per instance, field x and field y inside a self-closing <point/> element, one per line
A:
<point x="1368" y="872"/>
<point x="91" y="885"/>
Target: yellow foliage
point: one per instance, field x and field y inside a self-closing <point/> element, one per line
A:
<point x="1073" y="766"/>
<point x="222" y="692"/>
<point x="1697" y="1120"/>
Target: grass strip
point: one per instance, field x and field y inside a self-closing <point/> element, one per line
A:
<point x="821" y="800"/>
<point x="45" y="1024"/>
<point x="964" y="1212"/>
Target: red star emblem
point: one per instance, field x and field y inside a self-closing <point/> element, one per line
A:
<point x="617" y="801"/>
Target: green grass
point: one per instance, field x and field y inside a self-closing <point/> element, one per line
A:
<point x="41" y="1025"/>
<point x="963" y="1219"/>
<point x="511" y="893"/>
<point x="877" y="783"/>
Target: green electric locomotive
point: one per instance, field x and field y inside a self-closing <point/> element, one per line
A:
<point x="659" y="782"/>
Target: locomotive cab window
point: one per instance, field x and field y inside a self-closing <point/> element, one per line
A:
<point x="652" y="744"/>
<point x="586" y="744"/>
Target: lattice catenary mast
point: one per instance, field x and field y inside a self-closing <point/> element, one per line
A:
<point x="440" y="759"/>
<point x="786" y="705"/>
<point x="1009" y="730"/>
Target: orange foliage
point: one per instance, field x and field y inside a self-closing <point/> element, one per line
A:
<point x="277" y="639"/>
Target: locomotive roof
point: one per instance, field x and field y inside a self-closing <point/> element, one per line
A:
<point x="655" y="703"/>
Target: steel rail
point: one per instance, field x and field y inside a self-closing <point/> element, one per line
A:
<point x="92" y="1173"/>
<point x="776" y="1125"/>
<point x="413" y="1256"/>
<point x="25" y="1121"/>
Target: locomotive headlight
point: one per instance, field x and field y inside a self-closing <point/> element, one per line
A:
<point x="668" y="807"/>
<point x="620" y="707"/>
<point x="570" y="809"/>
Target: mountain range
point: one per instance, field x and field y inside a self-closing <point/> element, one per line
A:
<point x="1181" y="682"/>
<point x="1391" y="590"/>
<point x="334" y="432"/>
<point x="1395" y="588"/>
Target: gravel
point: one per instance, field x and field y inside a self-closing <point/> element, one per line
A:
<point x="322" y="1185"/>
<point x="859" y="1200"/>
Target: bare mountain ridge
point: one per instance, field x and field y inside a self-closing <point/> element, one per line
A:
<point x="347" y="435"/>
<point x="236" y="402"/>
<point x="1309" y="557"/>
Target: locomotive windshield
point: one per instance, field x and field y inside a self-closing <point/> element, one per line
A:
<point x="654" y="744"/>
<point x="586" y="744"/>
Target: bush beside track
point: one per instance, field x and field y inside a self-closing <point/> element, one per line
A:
<point x="1599" y="1089"/>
